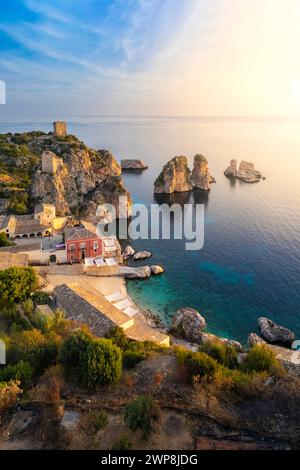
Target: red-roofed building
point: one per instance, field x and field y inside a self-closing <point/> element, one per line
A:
<point x="82" y="243"/>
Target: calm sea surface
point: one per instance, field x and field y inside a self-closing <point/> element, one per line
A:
<point x="250" y="263"/>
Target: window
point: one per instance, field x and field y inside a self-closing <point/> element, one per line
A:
<point x="72" y="247"/>
<point x="82" y="246"/>
<point x="96" y="247"/>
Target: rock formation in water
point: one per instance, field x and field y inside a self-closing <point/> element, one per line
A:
<point x="142" y="255"/>
<point x="157" y="269"/>
<point x="254" y="339"/>
<point x="188" y="324"/>
<point x="74" y="178"/>
<point x="133" y="164"/>
<point x="246" y="172"/>
<point x="275" y="334"/>
<point x="175" y="177"/>
<point x="201" y="177"/>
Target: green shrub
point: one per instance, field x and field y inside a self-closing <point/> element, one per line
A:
<point x="72" y="351"/>
<point x="101" y="364"/>
<point x="22" y="371"/>
<point x="223" y="353"/>
<point x="4" y="241"/>
<point x="132" y="358"/>
<point x="41" y="298"/>
<point x="16" y="284"/>
<point x="141" y="413"/>
<point x="118" y="337"/>
<point x="97" y="420"/>
<point x="260" y="359"/>
<point x="123" y="443"/>
<point x="196" y="364"/>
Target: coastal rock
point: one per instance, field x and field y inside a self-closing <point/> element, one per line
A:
<point x="188" y="324"/>
<point x="156" y="269"/>
<point x="143" y="272"/>
<point x="274" y="333"/>
<point x="208" y="337"/>
<point x="175" y="177"/>
<point x="152" y="319"/>
<point x="254" y="339"/>
<point x="133" y="164"/>
<point x="142" y="255"/>
<point x="129" y="251"/>
<point x="200" y="177"/>
<point x="246" y="172"/>
<point x="232" y="170"/>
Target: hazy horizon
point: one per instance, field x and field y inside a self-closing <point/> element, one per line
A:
<point x="150" y="58"/>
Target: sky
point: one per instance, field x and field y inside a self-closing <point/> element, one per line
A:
<point x="150" y="57"/>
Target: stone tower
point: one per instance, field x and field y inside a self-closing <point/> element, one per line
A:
<point x="60" y="129"/>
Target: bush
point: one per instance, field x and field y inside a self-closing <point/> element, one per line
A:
<point x="196" y="364"/>
<point x="22" y="371"/>
<point x="260" y="359"/>
<point x="9" y="392"/>
<point x="101" y="364"/>
<point x="97" y="420"/>
<point x="16" y="284"/>
<point x="132" y="358"/>
<point x="141" y="413"/>
<point x="72" y="351"/>
<point x="33" y="347"/>
<point x="223" y="353"/>
<point x="41" y="298"/>
<point x="118" y="337"/>
<point x="4" y="241"/>
<point x="123" y="443"/>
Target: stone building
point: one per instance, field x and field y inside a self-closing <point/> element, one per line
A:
<point x="60" y="129"/>
<point x="50" y="162"/>
<point x="45" y="213"/>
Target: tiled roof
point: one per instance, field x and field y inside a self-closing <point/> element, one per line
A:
<point x="26" y="226"/>
<point x="79" y="234"/>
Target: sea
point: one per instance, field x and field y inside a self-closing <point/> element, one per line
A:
<point x="249" y="265"/>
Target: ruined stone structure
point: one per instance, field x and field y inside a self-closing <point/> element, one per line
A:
<point x="60" y="129"/>
<point x="50" y="163"/>
<point x="45" y="213"/>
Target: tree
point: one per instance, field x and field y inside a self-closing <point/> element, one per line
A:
<point x="101" y="364"/>
<point x="72" y="351"/>
<point x="141" y="413"/>
<point x="16" y="284"/>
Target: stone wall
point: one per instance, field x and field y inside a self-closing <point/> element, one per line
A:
<point x="60" y="128"/>
<point x="50" y="163"/>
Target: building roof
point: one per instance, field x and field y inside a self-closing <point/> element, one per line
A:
<point x="27" y="226"/>
<point x="80" y="233"/>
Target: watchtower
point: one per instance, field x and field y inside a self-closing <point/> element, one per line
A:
<point x="60" y="128"/>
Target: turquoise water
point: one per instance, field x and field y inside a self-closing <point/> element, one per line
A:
<point x="250" y="263"/>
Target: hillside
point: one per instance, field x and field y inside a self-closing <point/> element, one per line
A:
<point x="84" y="178"/>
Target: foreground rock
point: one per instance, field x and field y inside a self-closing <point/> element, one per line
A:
<point x="133" y="164"/>
<point x="274" y="333"/>
<point x="175" y="177"/>
<point x="254" y="339"/>
<point x="188" y="324"/>
<point x="142" y="255"/>
<point x="143" y="272"/>
<point x="288" y="358"/>
<point x="201" y="177"/>
<point x="156" y="269"/>
<point x="246" y="171"/>
<point x="129" y="251"/>
<point x="210" y="338"/>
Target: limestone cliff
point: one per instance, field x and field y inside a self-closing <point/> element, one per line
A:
<point x="175" y="177"/>
<point x="80" y="175"/>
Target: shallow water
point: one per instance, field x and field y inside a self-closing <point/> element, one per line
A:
<point x="250" y="263"/>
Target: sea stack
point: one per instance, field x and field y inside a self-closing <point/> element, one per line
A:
<point x="174" y="178"/>
<point x="246" y="172"/>
<point x="201" y="177"/>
